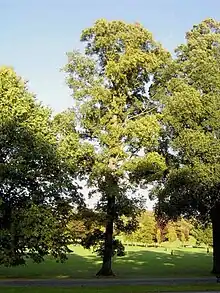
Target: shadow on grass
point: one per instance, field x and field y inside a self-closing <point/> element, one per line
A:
<point x="163" y="264"/>
<point x="135" y="264"/>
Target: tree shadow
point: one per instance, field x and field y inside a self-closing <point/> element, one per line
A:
<point x="75" y="267"/>
<point x="135" y="264"/>
<point x="162" y="264"/>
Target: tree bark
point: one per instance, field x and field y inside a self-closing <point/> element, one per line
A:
<point x="106" y="269"/>
<point x="215" y="216"/>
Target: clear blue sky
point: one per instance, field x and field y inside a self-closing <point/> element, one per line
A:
<point x="35" y="34"/>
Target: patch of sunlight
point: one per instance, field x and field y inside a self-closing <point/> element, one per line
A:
<point x="97" y="262"/>
<point x="140" y="262"/>
<point x="158" y="257"/>
<point x="169" y="264"/>
<point x="62" y="277"/>
<point x="135" y="268"/>
<point x="128" y="260"/>
<point x="124" y="261"/>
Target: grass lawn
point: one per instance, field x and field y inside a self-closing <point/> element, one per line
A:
<point x="138" y="263"/>
<point x="118" y="289"/>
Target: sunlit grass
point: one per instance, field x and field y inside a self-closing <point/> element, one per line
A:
<point x="138" y="263"/>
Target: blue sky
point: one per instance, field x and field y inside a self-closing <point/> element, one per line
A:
<point x="36" y="34"/>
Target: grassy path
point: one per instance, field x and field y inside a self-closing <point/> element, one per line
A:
<point x="118" y="289"/>
<point x="106" y="282"/>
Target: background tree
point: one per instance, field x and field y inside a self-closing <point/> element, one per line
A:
<point x="36" y="193"/>
<point x="183" y="230"/>
<point x="171" y="232"/>
<point x="83" y="224"/>
<point x="203" y="234"/>
<point x="115" y="115"/>
<point x="147" y="228"/>
<point x="188" y="91"/>
<point x="158" y="236"/>
<point x="186" y="232"/>
<point x="145" y="233"/>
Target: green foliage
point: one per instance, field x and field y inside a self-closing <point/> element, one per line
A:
<point x="203" y="235"/>
<point x="171" y="233"/>
<point x="184" y="230"/>
<point x="158" y="236"/>
<point x="180" y="233"/>
<point x="35" y="190"/>
<point x="188" y="91"/>
<point x="115" y="115"/>
<point x="146" y="230"/>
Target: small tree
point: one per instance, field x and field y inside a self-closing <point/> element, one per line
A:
<point x="115" y="115"/>
<point x="171" y="232"/>
<point x="147" y="228"/>
<point x="183" y="229"/>
<point x="203" y="234"/>
<point x="145" y="232"/>
<point x="158" y="236"/>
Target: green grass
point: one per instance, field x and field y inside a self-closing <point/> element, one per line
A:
<point x="138" y="263"/>
<point x="118" y="289"/>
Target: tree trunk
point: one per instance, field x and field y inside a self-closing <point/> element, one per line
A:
<point x="215" y="216"/>
<point x="106" y="269"/>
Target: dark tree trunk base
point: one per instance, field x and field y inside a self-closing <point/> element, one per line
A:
<point x="105" y="273"/>
<point x="216" y="239"/>
<point x="215" y="272"/>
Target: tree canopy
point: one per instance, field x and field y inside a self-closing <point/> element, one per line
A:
<point x="188" y="91"/>
<point x="116" y="117"/>
<point x="36" y="193"/>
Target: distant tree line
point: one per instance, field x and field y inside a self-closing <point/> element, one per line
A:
<point x="149" y="232"/>
<point x="176" y="233"/>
